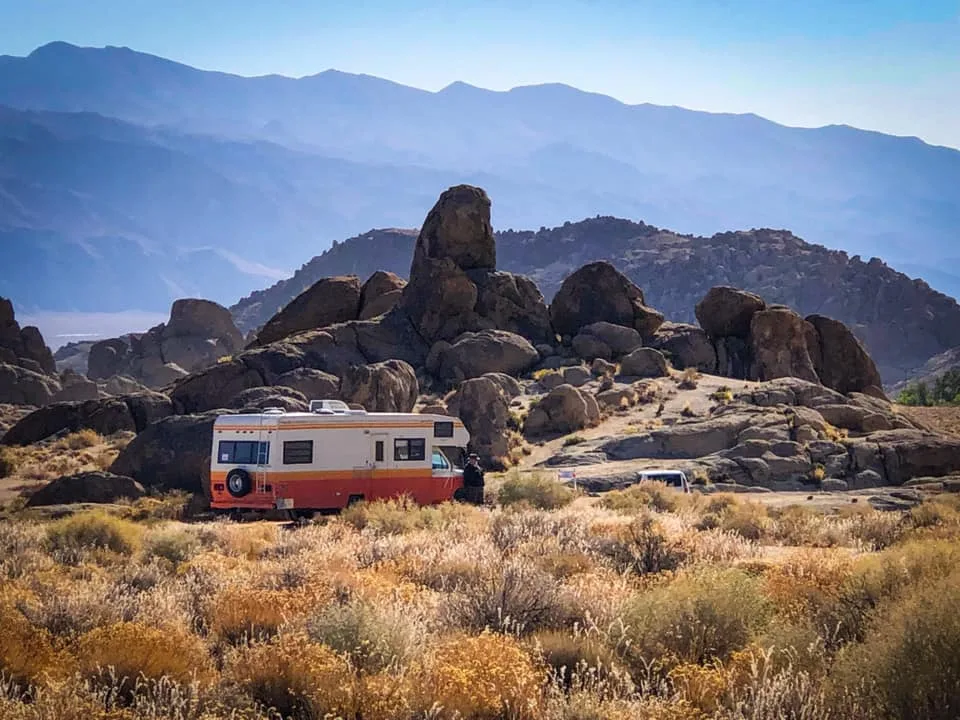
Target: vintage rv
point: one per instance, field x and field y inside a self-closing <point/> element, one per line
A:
<point x="332" y="456"/>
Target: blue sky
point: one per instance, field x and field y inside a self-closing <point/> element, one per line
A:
<point x="888" y="65"/>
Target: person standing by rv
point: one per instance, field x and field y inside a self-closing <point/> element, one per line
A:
<point x="473" y="480"/>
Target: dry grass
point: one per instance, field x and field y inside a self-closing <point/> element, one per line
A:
<point x="646" y="604"/>
<point x="944" y="418"/>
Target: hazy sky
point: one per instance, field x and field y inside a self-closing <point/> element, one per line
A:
<point x="889" y="65"/>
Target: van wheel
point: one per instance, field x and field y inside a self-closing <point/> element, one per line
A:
<point x="239" y="482"/>
<point x="354" y="499"/>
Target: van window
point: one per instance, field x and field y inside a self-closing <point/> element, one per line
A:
<point x="405" y="449"/>
<point x="243" y="452"/>
<point x="443" y="429"/>
<point x="298" y="452"/>
<point x="674" y="479"/>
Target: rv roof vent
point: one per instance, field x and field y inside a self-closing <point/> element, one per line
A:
<point x="274" y="411"/>
<point x="328" y="406"/>
<point x="360" y="411"/>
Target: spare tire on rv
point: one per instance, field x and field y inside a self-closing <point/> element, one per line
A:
<point x="239" y="482"/>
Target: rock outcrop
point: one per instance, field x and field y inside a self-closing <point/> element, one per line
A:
<point x="685" y="346"/>
<point x="564" y="409"/>
<point x="327" y="302"/>
<point x="198" y="334"/>
<point x="171" y="454"/>
<point x="728" y="312"/>
<point x="779" y="346"/>
<point x="21" y="386"/>
<point x="380" y="293"/>
<point x="644" y="363"/>
<point x="841" y="361"/>
<point x="87" y="487"/>
<point x="605" y="340"/>
<point x="484" y="407"/>
<point x="106" y="416"/>
<point x="389" y="386"/>
<point x="598" y="292"/>
<point x="488" y="351"/>
<point x="23" y="346"/>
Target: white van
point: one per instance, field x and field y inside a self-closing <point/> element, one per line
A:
<point x="673" y="478"/>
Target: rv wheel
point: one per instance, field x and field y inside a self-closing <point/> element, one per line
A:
<point x="238" y="482"/>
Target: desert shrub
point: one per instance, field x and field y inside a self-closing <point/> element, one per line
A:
<point x="514" y="596"/>
<point x="909" y="664"/>
<point x="573" y="440"/>
<point x="877" y="530"/>
<point x="27" y="653"/>
<point x="708" y="521"/>
<point x="875" y="580"/>
<point x="177" y="545"/>
<point x="688" y="380"/>
<point x="294" y="676"/>
<point x="571" y="655"/>
<point x="80" y="440"/>
<point x="694" y="619"/>
<point x="170" y="506"/>
<point x="801" y="585"/>
<point x="91" y="531"/>
<point x="402" y="515"/>
<point x="373" y="641"/>
<point x="722" y="395"/>
<point x="932" y="514"/>
<point x="535" y="490"/>
<point x="484" y="677"/>
<point x="749" y="520"/>
<point x="8" y="462"/>
<point x="717" y="503"/>
<point x="125" y="652"/>
<point x="648" y="493"/>
<point x="563" y="565"/>
<point x="238" y="613"/>
<point x="642" y="547"/>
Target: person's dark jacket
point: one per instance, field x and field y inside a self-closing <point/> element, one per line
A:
<point x="472" y="476"/>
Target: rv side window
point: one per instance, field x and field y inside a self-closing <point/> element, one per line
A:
<point x="298" y="452"/>
<point x="443" y="429"/>
<point x="409" y="449"/>
<point x="243" y="452"/>
<point x="379" y="450"/>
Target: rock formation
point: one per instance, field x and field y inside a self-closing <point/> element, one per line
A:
<point x="23" y="346"/>
<point x="327" y="302"/>
<point x="87" y="487"/>
<point x="197" y="335"/>
<point x="598" y="292"/>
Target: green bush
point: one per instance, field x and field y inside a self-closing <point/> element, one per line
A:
<point x="909" y="664"/>
<point x="694" y="619"/>
<point x="94" y="530"/>
<point x="536" y="491"/>
<point x="945" y="391"/>
<point x="373" y="641"/>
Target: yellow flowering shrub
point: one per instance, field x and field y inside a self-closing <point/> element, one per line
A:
<point x="486" y="676"/>
<point x="238" y="612"/>
<point x="131" y="650"/>
<point x="296" y="677"/>
<point x="27" y="653"/>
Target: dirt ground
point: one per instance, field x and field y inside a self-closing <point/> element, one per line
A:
<point x="942" y="419"/>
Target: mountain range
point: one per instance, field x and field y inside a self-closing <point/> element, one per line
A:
<point x="127" y="180"/>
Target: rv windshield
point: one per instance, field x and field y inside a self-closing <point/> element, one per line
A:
<point x="440" y="461"/>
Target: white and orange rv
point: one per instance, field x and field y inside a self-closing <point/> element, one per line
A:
<point x="332" y="456"/>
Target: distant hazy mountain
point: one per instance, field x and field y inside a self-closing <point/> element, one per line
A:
<point x="903" y="322"/>
<point x="272" y="169"/>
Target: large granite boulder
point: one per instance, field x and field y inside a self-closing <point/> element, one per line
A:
<point x="779" y="346"/>
<point x="76" y="388"/>
<point x="87" y="487"/>
<point x="685" y="346"/>
<point x="726" y="311"/>
<point x="564" y="409"/>
<point x="196" y="318"/>
<point x="605" y="340"/>
<point x="488" y="351"/>
<point x="513" y="303"/>
<point x="314" y="384"/>
<point x="20" y="386"/>
<point x="171" y="454"/>
<point x="842" y="363"/>
<point x="215" y="387"/>
<point x="274" y="396"/>
<point x="458" y="228"/>
<point x="105" y="416"/>
<point x="598" y="292"/>
<point x="484" y="408"/>
<point x="389" y="386"/>
<point x="108" y="358"/>
<point x="644" y="363"/>
<point x="327" y="302"/>
<point x="380" y="293"/>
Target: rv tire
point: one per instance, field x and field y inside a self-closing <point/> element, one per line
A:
<point x="239" y="482"/>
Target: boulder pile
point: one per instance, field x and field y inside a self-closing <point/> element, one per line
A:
<point x="198" y="334"/>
